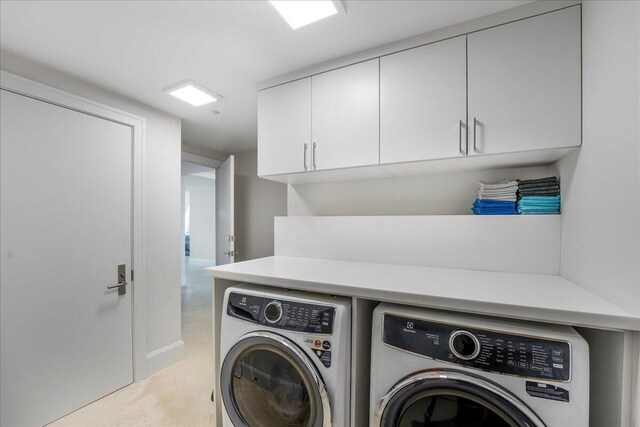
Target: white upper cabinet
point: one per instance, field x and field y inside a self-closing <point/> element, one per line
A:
<point x="511" y="92"/>
<point x="345" y="116"/>
<point x="284" y="128"/>
<point x="525" y="85"/>
<point x="423" y="102"/>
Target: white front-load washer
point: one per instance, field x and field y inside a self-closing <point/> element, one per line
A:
<point x="286" y="358"/>
<point x="434" y="369"/>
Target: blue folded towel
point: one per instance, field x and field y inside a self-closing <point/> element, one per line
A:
<point x="493" y="207"/>
<point x="538" y="209"/>
<point x="538" y="205"/>
<point x="540" y="199"/>
<point x="490" y="202"/>
<point x="538" y="213"/>
<point x="494" y="213"/>
<point x="556" y="206"/>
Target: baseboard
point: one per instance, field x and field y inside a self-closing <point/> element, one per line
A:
<point x="165" y="356"/>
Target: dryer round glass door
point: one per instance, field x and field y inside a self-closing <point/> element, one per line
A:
<point x="440" y="398"/>
<point x="266" y="380"/>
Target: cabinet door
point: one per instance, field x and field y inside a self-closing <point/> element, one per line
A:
<point x="423" y="102"/>
<point x="525" y="84"/>
<point x="284" y="128"/>
<point x="346" y="116"/>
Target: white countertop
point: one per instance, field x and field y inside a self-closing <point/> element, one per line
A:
<point x="540" y="297"/>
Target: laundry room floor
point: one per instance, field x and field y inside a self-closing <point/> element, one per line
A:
<point x="179" y="395"/>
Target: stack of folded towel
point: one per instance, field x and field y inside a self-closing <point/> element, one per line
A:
<point x="539" y="196"/>
<point x="496" y="199"/>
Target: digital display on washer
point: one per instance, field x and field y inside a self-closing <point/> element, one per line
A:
<point x="282" y="313"/>
<point x="481" y="349"/>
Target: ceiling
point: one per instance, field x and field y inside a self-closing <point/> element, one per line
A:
<point x="138" y="48"/>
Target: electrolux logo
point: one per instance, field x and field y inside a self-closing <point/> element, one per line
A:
<point x="409" y="328"/>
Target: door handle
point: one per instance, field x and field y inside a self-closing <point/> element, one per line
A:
<point x="463" y="152"/>
<point x="231" y="253"/>
<point x="122" y="280"/>
<point x="305" y="155"/>
<point x="475" y="131"/>
<point x="313" y="155"/>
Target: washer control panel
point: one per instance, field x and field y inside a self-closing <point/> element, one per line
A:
<point x="282" y="313"/>
<point x="481" y="349"/>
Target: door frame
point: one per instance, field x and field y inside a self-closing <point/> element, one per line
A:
<point x="193" y="159"/>
<point x="32" y="89"/>
<point x="201" y="160"/>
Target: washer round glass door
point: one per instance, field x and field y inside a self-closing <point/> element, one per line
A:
<point x="266" y="380"/>
<point x="442" y="398"/>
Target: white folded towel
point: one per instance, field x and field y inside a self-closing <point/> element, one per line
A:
<point x="504" y="190"/>
<point x="506" y="198"/>
<point x="505" y="184"/>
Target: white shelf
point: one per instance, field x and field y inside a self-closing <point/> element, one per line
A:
<point x="537" y="297"/>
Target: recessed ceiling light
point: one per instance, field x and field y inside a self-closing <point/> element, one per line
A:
<point x="193" y="93"/>
<point x="301" y="13"/>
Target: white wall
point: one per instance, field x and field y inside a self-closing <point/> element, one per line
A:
<point x="601" y="183"/>
<point x="446" y="194"/>
<point x="257" y="202"/>
<point x="470" y="242"/>
<point x="161" y="205"/>
<point x="202" y="223"/>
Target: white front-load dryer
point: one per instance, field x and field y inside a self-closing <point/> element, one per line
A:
<point x="286" y="358"/>
<point x="434" y="369"/>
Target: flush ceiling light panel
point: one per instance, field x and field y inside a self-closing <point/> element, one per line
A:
<point x="300" y="13"/>
<point x="193" y="93"/>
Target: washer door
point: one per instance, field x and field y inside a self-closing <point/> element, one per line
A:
<point x="439" y="398"/>
<point x="266" y="380"/>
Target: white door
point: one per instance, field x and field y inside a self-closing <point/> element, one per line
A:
<point x="345" y="116"/>
<point x="423" y="102"/>
<point x="225" y="236"/>
<point x="284" y="128"/>
<point x="66" y="190"/>
<point x="525" y="85"/>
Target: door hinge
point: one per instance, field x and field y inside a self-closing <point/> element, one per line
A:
<point x="132" y="275"/>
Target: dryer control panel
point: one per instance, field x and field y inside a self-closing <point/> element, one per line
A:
<point x="282" y="313"/>
<point x="481" y="349"/>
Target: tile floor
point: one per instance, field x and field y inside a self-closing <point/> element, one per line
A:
<point x="179" y="395"/>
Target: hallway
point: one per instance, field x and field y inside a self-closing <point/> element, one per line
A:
<point x="175" y="396"/>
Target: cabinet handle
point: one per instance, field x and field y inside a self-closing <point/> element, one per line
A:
<point x="460" y="150"/>
<point x="306" y="146"/>
<point x="313" y="155"/>
<point x="475" y="130"/>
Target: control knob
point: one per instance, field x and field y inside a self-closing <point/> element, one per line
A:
<point x="273" y="312"/>
<point x="464" y="345"/>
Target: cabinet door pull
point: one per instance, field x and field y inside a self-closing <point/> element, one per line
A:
<point x="462" y="151"/>
<point x="305" y="155"/>
<point x="313" y="156"/>
<point x="475" y="131"/>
